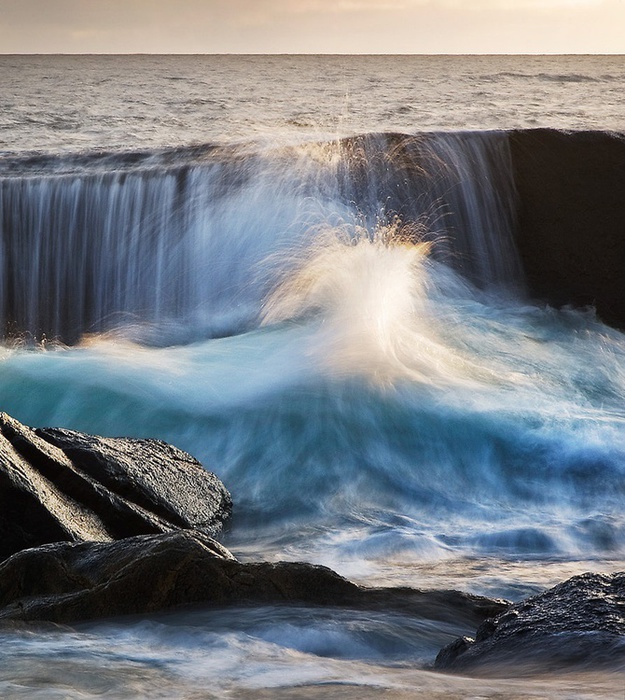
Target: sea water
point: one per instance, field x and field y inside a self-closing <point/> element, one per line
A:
<point x="302" y="271"/>
<point x="68" y="103"/>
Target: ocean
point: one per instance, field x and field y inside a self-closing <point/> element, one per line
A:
<point x="302" y="270"/>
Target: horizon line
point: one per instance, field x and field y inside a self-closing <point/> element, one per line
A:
<point x="307" y="53"/>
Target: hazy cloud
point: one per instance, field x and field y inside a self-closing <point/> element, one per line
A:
<point x="273" y="7"/>
<point x="350" y="26"/>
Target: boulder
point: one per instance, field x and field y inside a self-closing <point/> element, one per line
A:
<point x="68" y="582"/>
<point x="579" y="624"/>
<point x="60" y="485"/>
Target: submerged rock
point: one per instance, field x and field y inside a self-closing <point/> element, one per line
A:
<point x="67" y="582"/>
<point x="579" y="623"/>
<point x="60" y="485"/>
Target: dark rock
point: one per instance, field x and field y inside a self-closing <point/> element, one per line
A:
<point x="59" y="485"/>
<point x="153" y="474"/>
<point x="67" y="582"/>
<point x="571" y="218"/>
<point x="447" y="655"/>
<point x="579" y="623"/>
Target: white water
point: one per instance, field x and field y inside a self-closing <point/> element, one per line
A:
<point x="383" y="400"/>
<point x="385" y="403"/>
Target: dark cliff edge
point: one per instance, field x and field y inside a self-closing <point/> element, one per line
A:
<point x="571" y="217"/>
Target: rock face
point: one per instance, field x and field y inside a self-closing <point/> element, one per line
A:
<point x="67" y="582"/>
<point x="59" y="485"/>
<point x="571" y="218"/>
<point x="579" y="623"/>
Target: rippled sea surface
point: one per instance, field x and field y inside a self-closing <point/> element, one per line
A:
<point x="72" y="103"/>
<point x="401" y="413"/>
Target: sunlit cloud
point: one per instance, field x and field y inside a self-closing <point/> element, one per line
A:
<point x="521" y="5"/>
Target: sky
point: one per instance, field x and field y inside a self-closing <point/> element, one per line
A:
<point x="312" y="26"/>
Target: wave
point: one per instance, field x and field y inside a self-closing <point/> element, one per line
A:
<point x="43" y="164"/>
<point x="186" y="243"/>
<point x="375" y="394"/>
<point x="567" y="78"/>
<point x="386" y="410"/>
<point x="549" y="77"/>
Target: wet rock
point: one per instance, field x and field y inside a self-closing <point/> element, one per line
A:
<point x="578" y="624"/>
<point x="571" y="232"/>
<point x="67" y="582"/>
<point x="60" y="485"/>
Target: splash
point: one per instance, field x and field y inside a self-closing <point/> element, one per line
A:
<point x="369" y="296"/>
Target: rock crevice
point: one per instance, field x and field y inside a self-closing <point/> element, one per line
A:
<point x="60" y="485"/>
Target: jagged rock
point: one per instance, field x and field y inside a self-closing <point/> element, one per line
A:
<point x="60" y="485"/>
<point x="67" y="582"/>
<point x="578" y="623"/>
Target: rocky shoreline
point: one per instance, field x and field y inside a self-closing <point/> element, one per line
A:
<point x="97" y="527"/>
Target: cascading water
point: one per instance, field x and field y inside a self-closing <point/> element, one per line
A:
<point x="191" y="244"/>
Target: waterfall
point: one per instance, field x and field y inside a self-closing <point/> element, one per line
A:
<point x="175" y="240"/>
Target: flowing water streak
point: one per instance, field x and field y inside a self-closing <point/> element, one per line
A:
<point x="388" y="411"/>
<point x="452" y="429"/>
<point x="194" y="240"/>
